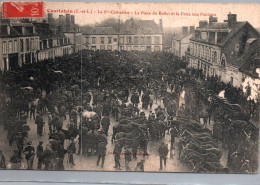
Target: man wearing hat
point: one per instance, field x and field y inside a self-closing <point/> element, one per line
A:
<point x="29" y="155"/>
<point x="128" y="158"/>
<point x="101" y="153"/>
<point x="39" y="155"/>
<point x="140" y="166"/>
<point x="39" y="122"/>
<point x="71" y="150"/>
<point x="163" y="152"/>
<point x="2" y="160"/>
<point x="15" y="160"/>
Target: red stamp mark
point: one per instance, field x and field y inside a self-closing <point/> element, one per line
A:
<point x="23" y="10"/>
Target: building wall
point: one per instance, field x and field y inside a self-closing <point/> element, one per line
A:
<point x="231" y="49"/>
<point x="176" y="47"/>
<point x="101" y="42"/>
<point x="151" y="42"/>
<point x="51" y="53"/>
<point x="185" y="42"/>
<point x="14" y="51"/>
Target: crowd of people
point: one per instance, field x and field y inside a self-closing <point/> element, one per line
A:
<point x="119" y="85"/>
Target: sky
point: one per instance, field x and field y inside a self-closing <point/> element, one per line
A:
<point x="189" y="13"/>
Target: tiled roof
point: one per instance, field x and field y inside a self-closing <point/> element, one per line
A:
<point x="233" y="30"/>
<point x="180" y="36"/>
<point x="215" y="25"/>
<point x="133" y="26"/>
<point x="44" y="31"/>
<point x="97" y="30"/>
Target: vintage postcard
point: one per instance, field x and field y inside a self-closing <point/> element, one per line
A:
<point x="130" y="87"/>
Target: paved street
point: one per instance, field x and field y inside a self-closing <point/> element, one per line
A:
<point x="152" y="162"/>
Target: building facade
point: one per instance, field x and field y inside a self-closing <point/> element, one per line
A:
<point x="181" y="42"/>
<point x="19" y="44"/>
<point x="216" y="48"/>
<point x="140" y="35"/>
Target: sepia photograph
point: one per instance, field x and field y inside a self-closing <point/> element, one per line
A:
<point x="140" y="87"/>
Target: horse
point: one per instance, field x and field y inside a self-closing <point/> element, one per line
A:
<point x="135" y="133"/>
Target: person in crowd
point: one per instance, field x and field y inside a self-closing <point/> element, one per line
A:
<point x="163" y="152"/>
<point x="128" y="158"/>
<point x="71" y="151"/>
<point x="39" y="122"/>
<point x="2" y="160"/>
<point x="15" y="160"/>
<point x="29" y="152"/>
<point x="39" y="152"/>
<point x="101" y="152"/>
<point x="117" y="152"/>
<point x="105" y="122"/>
<point x="140" y="166"/>
<point x="50" y="123"/>
<point x="47" y="157"/>
<point x="135" y="99"/>
<point x="32" y="111"/>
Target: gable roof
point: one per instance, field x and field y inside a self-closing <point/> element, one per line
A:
<point x="133" y="26"/>
<point x="97" y="30"/>
<point x="233" y="31"/>
<point x="181" y="36"/>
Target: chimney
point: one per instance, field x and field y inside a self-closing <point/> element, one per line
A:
<point x="8" y="29"/>
<point x="118" y="24"/>
<point x="185" y="30"/>
<point x="232" y="19"/>
<point x="212" y="19"/>
<point x="68" y="21"/>
<point x="192" y="28"/>
<point x="203" y="24"/>
<point x="161" y="24"/>
<point x="72" y="19"/>
<point x="50" y="17"/>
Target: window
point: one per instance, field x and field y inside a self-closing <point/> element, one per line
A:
<point x="5" y="64"/>
<point x="142" y="40"/>
<point x="115" y="39"/>
<point x="22" y="58"/>
<point x="41" y="45"/>
<point x="21" y="45"/>
<point x="148" y="40"/>
<point x="10" y="47"/>
<point x="157" y="48"/>
<point x="87" y="40"/>
<point x="27" y="45"/>
<point x="231" y="80"/>
<point x="122" y="48"/>
<point x="93" y="40"/>
<point x="109" y="47"/>
<point x="121" y="40"/>
<point x="135" y="40"/>
<point x="4" y="48"/>
<point x="102" y="40"/>
<point x="148" y="48"/>
<point x="102" y="47"/>
<point x="32" y="43"/>
<point x="204" y="36"/>
<point x="157" y="40"/>
<point x="50" y="43"/>
<point x="129" y="40"/>
<point x="61" y="42"/>
<point x="109" y="40"/>
<point x="93" y="47"/>
<point x="15" y="46"/>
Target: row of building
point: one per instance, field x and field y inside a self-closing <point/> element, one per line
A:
<point x="28" y="41"/>
<point x="229" y="50"/>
